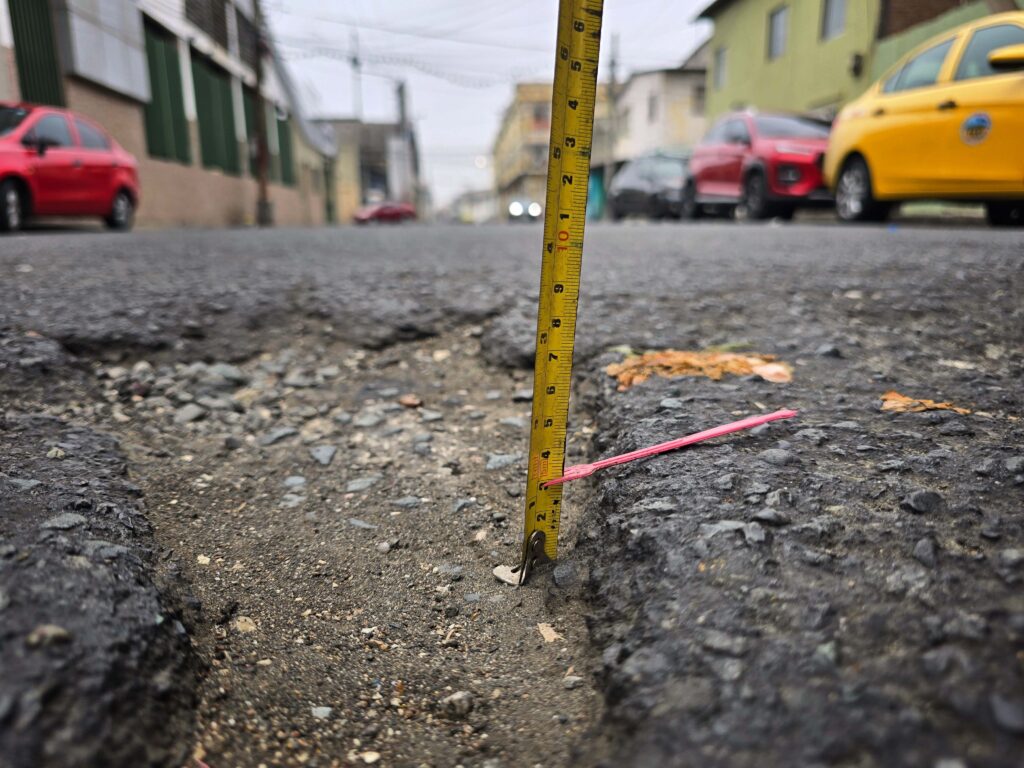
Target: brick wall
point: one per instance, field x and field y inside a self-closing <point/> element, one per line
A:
<point x="176" y="195"/>
<point x="900" y="15"/>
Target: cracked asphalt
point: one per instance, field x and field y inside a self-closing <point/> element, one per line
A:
<point x="254" y="484"/>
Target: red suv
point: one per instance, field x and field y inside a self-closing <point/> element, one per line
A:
<point x="769" y="165"/>
<point x="56" y="163"/>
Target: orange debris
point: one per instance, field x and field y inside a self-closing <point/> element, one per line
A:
<point x="897" y="403"/>
<point x="712" y="364"/>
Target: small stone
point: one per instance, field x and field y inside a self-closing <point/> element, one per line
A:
<point x="497" y="461"/>
<point x="725" y="482"/>
<point x="189" y="413"/>
<point x="294" y="481"/>
<point x="55" y="453"/>
<point x="406" y="502"/>
<point x="828" y="652"/>
<point x="891" y="465"/>
<point x="812" y="435"/>
<point x="355" y="522"/>
<point x="410" y="400"/>
<point x="47" y="634"/>
<point x="362" y="483"/>
<point x="292" y="500"/>
<point x="671" y="404"/>
<point x="243" y="624"/>
<point x="571" y="682"/>
<point x="522" y="396"/>
<point x="515" y="422"/>
<point x="1014" y="465"/>
<point x="828" y="350"/>
<point x="1011" y="558"/>
<point x="565" y="574"/>
<point x="985" y="467"/>
<point x="232" y="442"/>
<point x="1008" y="712"/>
<point x="384" y="547"/>
<point x="422" y="437"/>
<point x="720" y="642"/>
<point x="64" y="521"/>
<point x="753" y="533"/>
<point x="924" y="552"/>
<point x="20" y="483"/>
<point x="458" y="705"/>
<point x="771" y="516"/>
<point x="428" y="415"/>
<point x="369" y="757"/>
<point x="203" y="559"/>
<point x="367" y="419"/>
<point x="323" y="454"/>
<point x="472" y="597"/>
<point x="277" y="435"/>
<point x="322" y="713"/>
<point x="778" y="457"/>
<point x="922" y="502"/>
<point x="460" y="504"/>
<point x="492" y="394"/>
<point x="232" y="373"/>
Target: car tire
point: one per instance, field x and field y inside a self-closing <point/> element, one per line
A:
<point x="12" y="207"/>
<point x="615" y="213"/>
<point x="855" y="200"/>
<point x="691" y="209"/>
<point x="122" y="212"/>
<point x="786" y="212"/>
<point x="1005" y="214"/>
<point x="755" y="197"/>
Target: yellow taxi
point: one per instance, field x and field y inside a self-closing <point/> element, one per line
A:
<point x="945" y="123"/>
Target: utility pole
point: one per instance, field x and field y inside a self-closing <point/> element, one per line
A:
<point x="264" y="210"/>
<point x="357" y="85"/>
<point x="613" y="120"/>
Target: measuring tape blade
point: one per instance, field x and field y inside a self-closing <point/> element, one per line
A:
<point x="573" y="99"/>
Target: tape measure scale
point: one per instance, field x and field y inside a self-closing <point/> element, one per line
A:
<point x="573" y="99"/>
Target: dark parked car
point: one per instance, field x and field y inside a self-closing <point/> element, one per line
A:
<point x="56" y="163"/>
<point x="650" y="186"/>
<point x="768" y="164"/>
<point x="385" y="212"/>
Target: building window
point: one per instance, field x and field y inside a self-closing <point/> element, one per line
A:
<point x="777" y="21"/>
<point x="719" y="70"/>
<point x="652" y="108"/>
<point x="833" y="18"/>
<point x="211" y="17"/>
<point x="248" y="40"/>
<point x="166" y="126"/>
<point x="218" y="143"/>
<point x="39" y="75"/>
<point x="284" y="147"/>
<point x="699" y="97"/>
<point x="541" y="116"/>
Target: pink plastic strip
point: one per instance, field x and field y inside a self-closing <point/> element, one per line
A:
<point x="579" y="471"/>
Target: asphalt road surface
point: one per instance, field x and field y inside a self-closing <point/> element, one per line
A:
<point x="254" y="485"/>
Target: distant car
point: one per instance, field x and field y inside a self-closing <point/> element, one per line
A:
<point x="56" y="163"/>
<point x="651" y="186"/>
<point x="524" y="210"/>
<point x="768" y="164"/>
<point x="946" y="122"/>
<point x="391" y="213"/>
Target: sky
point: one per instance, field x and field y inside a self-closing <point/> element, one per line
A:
<point x="459" y="59"/>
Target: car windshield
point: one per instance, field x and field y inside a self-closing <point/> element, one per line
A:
<point x="667" y="168"/>
<point x="11" y="118"/>
<point x="790" y="128"/>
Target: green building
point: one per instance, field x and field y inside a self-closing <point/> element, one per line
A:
<point x="813" y="56"/>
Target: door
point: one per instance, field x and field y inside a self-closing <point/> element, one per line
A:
<point x="901" y="139"/>
<point x="704" y="162"/>
<point x="57" y="172"/>
<point x="981" y="127"/>
<point x="733" y="152"/>
<point x="99" y="168"/>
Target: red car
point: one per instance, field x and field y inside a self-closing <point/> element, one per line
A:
<point x="769" y="165"/>
<point x="56" y="163"/>
<point x="386" y="212"/>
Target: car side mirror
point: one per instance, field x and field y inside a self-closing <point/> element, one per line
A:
<point x="39" y="145"/>
<point x="1007" y="57"/>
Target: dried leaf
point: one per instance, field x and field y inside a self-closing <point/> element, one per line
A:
<point x="713" y="364"/>
<point x="548" y="633"/>
<point x="896" y="403"/>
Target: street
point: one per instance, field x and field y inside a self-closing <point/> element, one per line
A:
<point x="255" y="483"/>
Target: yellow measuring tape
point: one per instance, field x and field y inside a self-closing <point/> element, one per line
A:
<point x="573" y="99"/>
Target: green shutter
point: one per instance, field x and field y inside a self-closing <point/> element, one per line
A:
<point x="35" y="53"/>
<point x="284" y="141"/>
<point x="166" y="126"/>
<point x="249" y="107"/>
<point x="218" y="144"/>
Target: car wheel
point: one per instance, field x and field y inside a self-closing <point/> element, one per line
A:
<point x="12" y="207"/>
<point x="786" y="212"/>
<point x="690" y="207"/>
<point x="1005" y="214"/>
<point x="122" y="212"/>
<point x="854" y="199"/>
<point x="615" y="213"/>
<point x="755" y="197"/>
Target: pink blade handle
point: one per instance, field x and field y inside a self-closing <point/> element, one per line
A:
<point x="579" y="471"/>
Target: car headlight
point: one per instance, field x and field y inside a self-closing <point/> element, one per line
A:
<point x="515" y="208"/>
<point x="534" y="210"/>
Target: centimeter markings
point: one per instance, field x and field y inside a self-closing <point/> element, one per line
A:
<point x="573" y="99"/>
